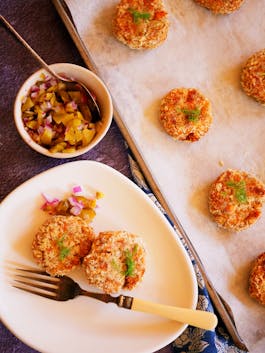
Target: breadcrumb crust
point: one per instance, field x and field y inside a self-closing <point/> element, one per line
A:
<point x="141" y="24"/>
<point x="232" y="208"/>
<point x="106" y="266"/>
<point x="221" y="6"/>
<point x="253" y="76"/>
<point x="257" y="279"/>
<point x="61" y="242"/>
<point x="185" y="114"/>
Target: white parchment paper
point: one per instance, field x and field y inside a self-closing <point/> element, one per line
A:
<point x="204" y="51"/>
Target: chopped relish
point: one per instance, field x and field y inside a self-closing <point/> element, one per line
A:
<point x="75" y="205"/>
<point x="57" y="116"/>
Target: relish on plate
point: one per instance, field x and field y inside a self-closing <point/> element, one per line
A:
<point x="56" y="117"/>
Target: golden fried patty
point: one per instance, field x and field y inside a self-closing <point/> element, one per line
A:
<point x="185" y="114"/>
<point x="116" y="261"/>
<point x="221" y="6"/>
<point x="253" y="76"/>
<point x="235" y="199"/>
<point x="141" y="24"/>
<point x="61" y="242"/>
<point x="257" y="279"/>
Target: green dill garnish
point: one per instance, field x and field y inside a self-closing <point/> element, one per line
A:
<point x="240" y="190"/>
<point x="191" y="114"/>
<point x="129" y="261"/>
<point x="139" y="15"/>
<point x="64" y="251"/>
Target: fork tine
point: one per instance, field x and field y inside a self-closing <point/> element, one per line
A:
<point x="50" y="281"/>
<point x="44" y="286"/>
<point x="33" y="270"/>
<point x="36" y="292"/>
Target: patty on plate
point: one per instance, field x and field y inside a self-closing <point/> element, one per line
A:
<point x="235" y="199"/>
<point x="141" y="24"/>
<point x="221" y="6"/>
<point x="61" y="243"/>
<point x="116" y="261"/>
<point x="253" y="76"/>
<point x="257" y="279"/>
<point x="185" y="114"/>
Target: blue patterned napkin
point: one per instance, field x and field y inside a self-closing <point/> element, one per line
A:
<point x="192" y="340"/>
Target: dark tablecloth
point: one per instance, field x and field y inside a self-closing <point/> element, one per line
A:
<point x="38" y="22"/>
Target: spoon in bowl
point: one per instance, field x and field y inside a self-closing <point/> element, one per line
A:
<point x="71" y="84"/>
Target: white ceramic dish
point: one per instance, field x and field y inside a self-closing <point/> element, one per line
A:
<point x="92" y="82"/>
<point x="85" y="325"/>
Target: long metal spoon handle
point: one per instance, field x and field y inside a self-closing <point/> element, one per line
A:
<point x="18" y="36"/>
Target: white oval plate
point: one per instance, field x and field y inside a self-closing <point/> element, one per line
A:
<point x="85" y="325"/>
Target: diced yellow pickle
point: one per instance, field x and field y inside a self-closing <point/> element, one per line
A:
<point x="62" y="118"/>
<point x="59" y="147"/>
<point x="27" y="105"/>
<point x="28" y="113"/>
<point x="87" y="214"/>
<point x="32" y="124"/>
<point x="52" y="89"/>
<point x="63" y="207"/>
<point x="61" y="86"/>
<point x="78" y="115"/>
<point x="73" y="134"/>
<point x="69" y="150"/>
<point x="46" y="136"/>
<point x="48" y="96"/>
<point x="41" y="97"/>
<point x="99" y="195"/>
<point x="87" y="203"/>
<point x="87" y="136"/>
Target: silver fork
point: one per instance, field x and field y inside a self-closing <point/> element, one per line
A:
<point x="64" y="288"/>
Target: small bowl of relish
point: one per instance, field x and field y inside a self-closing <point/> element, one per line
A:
<point x="54" y="119"/>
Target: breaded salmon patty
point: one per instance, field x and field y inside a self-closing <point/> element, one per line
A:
<point x="253" y="76"/>
<point x="116" y="261"/>
<point x="221" y="6"/>
<point x="141" y="24"/>
<point x="185" y="114"/>
<point x="235" y="199"/>
<point x="257" y="279"/>
<point x="61" y="243"/>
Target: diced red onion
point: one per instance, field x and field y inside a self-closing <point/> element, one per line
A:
<point x="48" y="120"/>
<point x="49" y="200"/>
<point x="40" y="130"/>
<point x="45" y="106"/>
<point x="34" y="88"/>
<point x="77" y="189"/>
<point x="73" y="202"/>
<point x="34" y="94"/>
<point x="73" y="105"/>
<point x="75" y="210"/>
<point x="80" y="127"/>
<point x="43" y="86"/>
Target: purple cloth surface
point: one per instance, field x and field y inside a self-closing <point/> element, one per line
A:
<point x="38" y="22"/>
